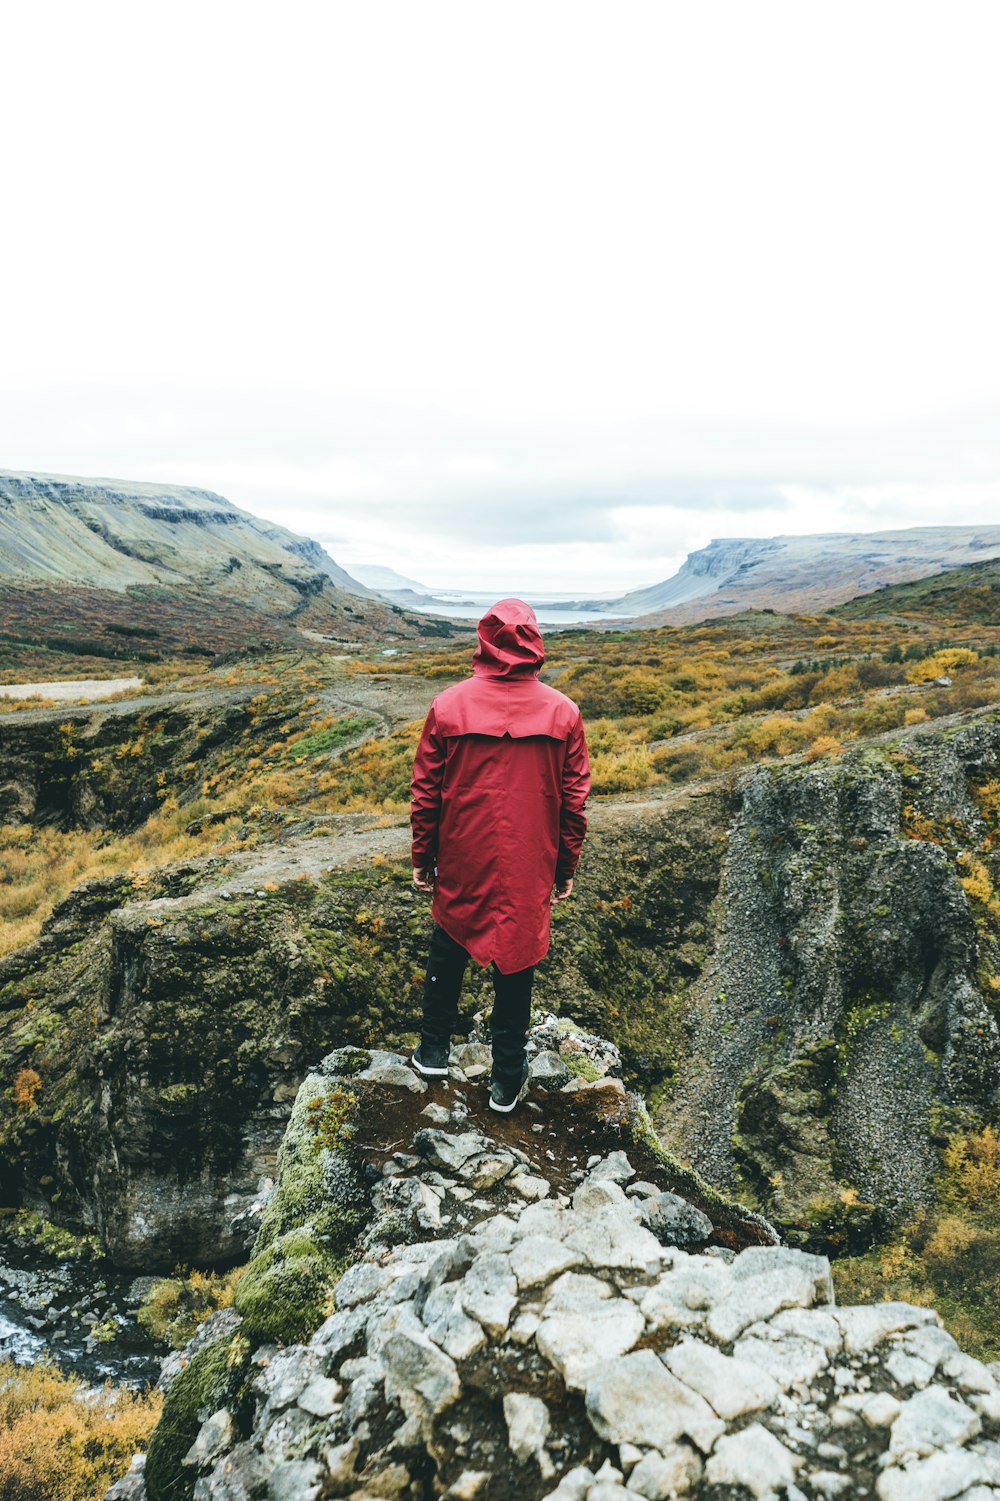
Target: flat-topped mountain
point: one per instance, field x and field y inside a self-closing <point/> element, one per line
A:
<point x="113" y="533"/>
<point x="802" y="574"/>
<point x="90" y="565"/>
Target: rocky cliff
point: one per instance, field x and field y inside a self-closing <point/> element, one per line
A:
<point x="170" y="1017"/>
<point x="799" y="970"/>
<point x="804" y="573"/>
<point x="443" y="1303"/>
<point x="846" y="1022"/>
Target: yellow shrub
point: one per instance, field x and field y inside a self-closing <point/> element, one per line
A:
<point x="625" y="771"/>
<point x="972" y="1165"/>
<point x="941" y="664"/>
<point x="977" y="884"/>
<point x="175" y="1306"/>
<point x="60" y="1441"/>
<point x="824" y="745"/>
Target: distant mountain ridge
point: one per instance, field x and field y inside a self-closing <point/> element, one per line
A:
<point x="88" y="566"/>
<point x="799" y="574"/>
<point x="110" y="534"/>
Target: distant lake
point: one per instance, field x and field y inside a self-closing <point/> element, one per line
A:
<point x="474" y="611"/>
<point x="67" y="689"/>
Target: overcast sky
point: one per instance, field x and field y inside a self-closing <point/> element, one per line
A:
<point x="515" y="296"/>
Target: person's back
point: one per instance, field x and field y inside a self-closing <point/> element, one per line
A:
<point x="500" y="783"/>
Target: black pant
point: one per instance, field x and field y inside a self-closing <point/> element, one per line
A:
<point x="446" y="961"/>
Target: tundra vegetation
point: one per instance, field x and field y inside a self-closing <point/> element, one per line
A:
<point x="332" y="732"/>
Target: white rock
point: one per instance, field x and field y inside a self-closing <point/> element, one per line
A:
<point x="789" y="1362"/>
<point x="525" y="1326"/>
<point x="420" y="1376"/>
<point x="615" y="1167"/>
<point x="360" y="1282"/>
<point x="635" y="1399"/>
<point x="629" y="1456"/>
<point x="594" y="1197"/>
<point x="829" y="1484"/>
<point x="457" y="1334"/>
<point x="614" y="1239"/>
<point x="987" y="1404"/>
<point x="878" y="1409"/>
<point x="573" y="1288"/>
<point x="529" y="1185"/>
<point x="536" y="1258"/>
<point x="939" y="1478"/>
<point x="760" y="1261"/>
<point x="394" y="1073"/>
<point x="662" y="1476"/>
<point x="488" y="1292"/>
<point x="469" y="1485"/>
<point x="809" y="1323"/>
<point x="527" y="1420"/>
<point x="679" y="1297"/>
<point x="760" y="1295"/>
<point x="321" y="1397"/>
<point x="575" y="1342"/>
<point x="967" y="1373"/>
<point x="909" y="1370"/>
<point x="866" y="1325"/>
<point x="729" y="1385"/>
<point x="498" y="1233"/>
<point x="573" y="1486"/>
<point x="931" y="1420"/>
<point x="753" y="1458"/>
<point x="546" y="1217"/>
<point x="214" y="1437"/>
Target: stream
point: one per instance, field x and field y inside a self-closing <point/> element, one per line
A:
<point x="80" y="1316"/>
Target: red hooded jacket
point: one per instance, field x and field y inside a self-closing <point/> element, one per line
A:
<point x="500" y="784"/>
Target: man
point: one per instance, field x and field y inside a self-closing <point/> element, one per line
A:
<point x="500" y="784"/>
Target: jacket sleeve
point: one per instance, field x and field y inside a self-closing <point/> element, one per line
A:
<point x="575" y="787"/>
<point x="425" y="793"/>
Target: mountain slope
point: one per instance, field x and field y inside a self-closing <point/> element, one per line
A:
<point x="801" y="574"/>
<point x="88" y="566"/>
<point x="112" y="533"/>
<point x="970" y="593"/>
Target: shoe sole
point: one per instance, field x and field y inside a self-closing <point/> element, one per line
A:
<point x="430" y="1073"/>
<point x="503" y="1109"/>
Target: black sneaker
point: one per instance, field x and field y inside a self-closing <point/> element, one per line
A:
<point x="431" y="1058"/>
<point x="505" y="1095"/>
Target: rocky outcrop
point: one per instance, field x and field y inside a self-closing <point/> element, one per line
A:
<point x="171" y="1016"/>
<point x="845" y="1022"/>
<point x="110" y="767"/>
<point x="519" y="1315"/>
<point x="806" y="999"/>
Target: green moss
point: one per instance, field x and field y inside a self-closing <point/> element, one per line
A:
<point x="287" y="1291"/>
<point x="213" y="1378"/>
<point x="582" y="1066"/>
<point x="726" y="1212"/>
<point x="309" y="1228"/>
<point x="29" y="1231"/>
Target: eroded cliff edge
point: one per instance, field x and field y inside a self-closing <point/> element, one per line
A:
<point x="800" y="969"/>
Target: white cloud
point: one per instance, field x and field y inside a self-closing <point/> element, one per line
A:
<point x="498" y="294"/>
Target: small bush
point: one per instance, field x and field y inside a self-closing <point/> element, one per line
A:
<point x="62" y="1441"/>
<point x="175" y="1306"/>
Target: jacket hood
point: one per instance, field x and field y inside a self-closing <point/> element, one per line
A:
<point x="510" y="643"/>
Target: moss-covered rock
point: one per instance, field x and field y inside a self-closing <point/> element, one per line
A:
<point x="845" y="1005"/>
<point x="319" y="1205"/>
<point x="214" y="1377"/>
